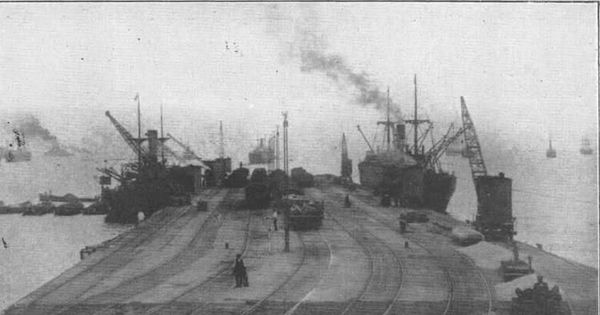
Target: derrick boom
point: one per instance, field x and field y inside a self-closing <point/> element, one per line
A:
<point x="134" y="143"/>
<point x="187" y="149"/>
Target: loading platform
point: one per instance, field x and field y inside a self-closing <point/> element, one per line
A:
<point x="180" y="261"/>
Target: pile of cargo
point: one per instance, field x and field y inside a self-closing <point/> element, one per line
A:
<point x="466" y="236"/>
<point x="277" y="183"/>
<point x="258" y="194"/>
<point x="42" y="208"/>
<point x="414" y="217"/>
<point x="69" y="208"/>
<point x="304" y="213"/>
<point x="238" y="178"/>
<point x="537" y="300"/>
<point x="96" y="208"/>
<point x="302" y="178"/>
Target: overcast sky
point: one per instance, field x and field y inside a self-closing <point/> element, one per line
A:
<point x="526" y="70"/>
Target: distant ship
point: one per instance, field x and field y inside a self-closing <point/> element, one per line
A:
<point x="261" y="154"/>
<point x="550" y="153"/>
<point x="407" y="173"/>
<point x="56" y="150"/>
<point x="585" y="147"/>
<point x="16" y="155"/>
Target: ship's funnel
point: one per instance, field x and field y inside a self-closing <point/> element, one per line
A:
<point x="152" y="144"/>
<point x="400" y="136"/>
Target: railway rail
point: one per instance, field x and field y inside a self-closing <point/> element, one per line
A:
<point x="136" y="284"/>
<point x="464" y="279"/>
<point x="112" y="261"/>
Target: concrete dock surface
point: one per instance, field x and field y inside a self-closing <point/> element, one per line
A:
<point x="180" y="260"/>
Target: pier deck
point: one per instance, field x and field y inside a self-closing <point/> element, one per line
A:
<point x="176" y="262"/>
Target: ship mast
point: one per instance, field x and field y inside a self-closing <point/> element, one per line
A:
<point x="415" y="122"/>
<point x="416" y="133"/>
<point x="387" y="123"/>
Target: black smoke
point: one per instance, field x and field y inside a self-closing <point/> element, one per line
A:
<point x="336" y="68"/>
<point x="309" y="45"/>
<point x="30" y="126"/>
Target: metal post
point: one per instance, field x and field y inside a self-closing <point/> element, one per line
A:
<point x="286" y="211"/>
<point x="285" y="144"/>
<point x="277" y="166"/>
<point x="416" y="132"/>
<point x="139" y="139"/>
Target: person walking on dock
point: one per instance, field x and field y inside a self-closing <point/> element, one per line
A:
<point x="4" y="243"/>
<point x="239" y="271"/>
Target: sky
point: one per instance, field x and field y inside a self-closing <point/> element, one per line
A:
<point x="528" y="71"/>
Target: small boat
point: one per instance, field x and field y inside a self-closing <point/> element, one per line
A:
<point x="585" y="147"/>
<point x="70" y="208"/>
<point x="550" y="153"/>
<point x="42" y="208"/>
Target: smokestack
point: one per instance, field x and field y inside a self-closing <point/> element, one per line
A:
<point x="400" y="136"/>
<point x="152" y="144"/>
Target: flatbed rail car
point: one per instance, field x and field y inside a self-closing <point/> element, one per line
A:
<point x="304" y="213"/>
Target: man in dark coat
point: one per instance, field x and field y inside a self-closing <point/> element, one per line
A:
<point x="239" y="270"/>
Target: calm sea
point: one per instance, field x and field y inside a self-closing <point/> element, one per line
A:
<point x="555" y="201"/>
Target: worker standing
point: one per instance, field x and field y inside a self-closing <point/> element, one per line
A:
<point x="347" y="203"/>
<point x="275" y="220"/>
<point x="239" y="270"/>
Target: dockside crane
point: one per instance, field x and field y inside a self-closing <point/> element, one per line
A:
<point x="494" y="217"/>
<point x="472" y="144"/>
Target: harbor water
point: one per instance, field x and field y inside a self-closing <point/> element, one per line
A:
<point x="42" y="247"/>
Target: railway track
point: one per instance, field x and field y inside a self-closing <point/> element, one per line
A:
<point x="465" y="281"/>
<point x="262" y="306"/>
<point x="173" y="307"/>
<point x="375" y="249"/>
<point x="129" y="287"/>
<point x="383" y="284"/>
<point x="221" y="281"/>
<point x="115" y="259"/>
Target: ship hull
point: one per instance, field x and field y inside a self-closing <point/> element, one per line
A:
<point x="412" y="186"/>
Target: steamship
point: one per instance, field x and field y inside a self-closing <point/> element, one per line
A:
<point x="403" y="171"/>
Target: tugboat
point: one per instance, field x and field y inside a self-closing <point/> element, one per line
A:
<point x="550" y="153"/>
<point x="409" y="175"/>
<point x="585" y="147"/>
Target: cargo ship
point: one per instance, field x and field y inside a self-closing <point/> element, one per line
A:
<point x="17" y="155"/>
<point x="262" y="154"/>
<point x="585" y="147"/>
<point x="408" y="174"/>
<point x="550" y="153"/>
